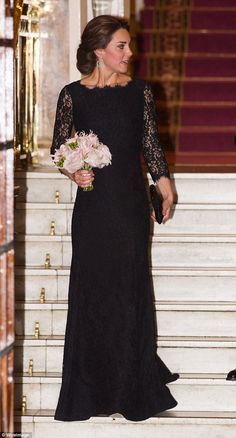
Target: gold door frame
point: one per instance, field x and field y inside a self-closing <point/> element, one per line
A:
<point x="26" y="77"/>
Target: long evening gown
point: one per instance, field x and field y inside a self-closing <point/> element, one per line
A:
<point x="110" y="364"/>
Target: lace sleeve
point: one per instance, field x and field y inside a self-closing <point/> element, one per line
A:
<point x="152" y="150"/>
<point x="63" y="121"/>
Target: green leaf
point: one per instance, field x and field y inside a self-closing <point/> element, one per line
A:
<point x="73" y="145"/>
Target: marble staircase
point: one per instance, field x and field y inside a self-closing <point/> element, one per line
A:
<point x="193" y="264"/>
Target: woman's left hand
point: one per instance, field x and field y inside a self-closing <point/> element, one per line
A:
<point x="166" y="209"/>
<point x="165" y="187"/>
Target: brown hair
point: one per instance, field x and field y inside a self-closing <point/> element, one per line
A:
<point x="97" y="35"/>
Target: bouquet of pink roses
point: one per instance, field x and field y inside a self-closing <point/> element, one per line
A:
<point x="83" y="151"/>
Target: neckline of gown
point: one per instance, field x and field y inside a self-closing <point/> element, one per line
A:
<point x="109" y="87"/>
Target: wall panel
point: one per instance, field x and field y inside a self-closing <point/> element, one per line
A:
<point x="6" y="217"/>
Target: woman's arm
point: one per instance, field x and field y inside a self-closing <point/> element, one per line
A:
<point x="63" y="120"/>
<point x="63" y="124"/>
<point x="164" y="186"/>
<point x="153" y="153"/>
<point x="63" y="129"/>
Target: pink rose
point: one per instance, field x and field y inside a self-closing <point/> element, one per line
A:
<point x="73" y="161"/>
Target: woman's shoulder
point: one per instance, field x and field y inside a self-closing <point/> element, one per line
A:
<point x="71" y="86"/>
<point x="142" y="84"/>
<point x="70" y="91"/>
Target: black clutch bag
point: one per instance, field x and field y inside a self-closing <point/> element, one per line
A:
<point x="156" y="203"/>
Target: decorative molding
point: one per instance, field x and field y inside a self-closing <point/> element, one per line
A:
<point x="77" y="10"/>
<point x="113" y="7"/>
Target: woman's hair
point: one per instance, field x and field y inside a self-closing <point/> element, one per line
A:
<point x="97" y="35"/>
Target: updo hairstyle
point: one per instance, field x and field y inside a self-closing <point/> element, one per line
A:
<point x="97" y="35"/>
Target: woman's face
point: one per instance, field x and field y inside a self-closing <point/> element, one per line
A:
<point x="117" y="53"/>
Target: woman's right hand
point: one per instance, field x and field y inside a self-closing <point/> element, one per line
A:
<point x="83" y="178"/>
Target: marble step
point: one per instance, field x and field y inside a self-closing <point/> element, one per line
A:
<point x="206" y="188"/>
<point x="207" y="284"/>
<point x="41" y="185"/>
<point x="181" y="354"/>
<point x="169" y="424"/>
<point x="30" y="281"/>
<point x="193" y="284"/>
<point x="171" y="251"/>
<point x="36" y="218"/>
<point x="206" y="392"/>
<point x="173" y="318"/>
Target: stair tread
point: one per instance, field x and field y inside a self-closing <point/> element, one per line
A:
<point x="40" y="171"/>
<point x="64" y="270"/>
<point x="203" y="339"/>
<point x="191" y="79"/>
<point x="171" y="54"/>
<point x="183" y="55"/>
<point x="36" y="270"/>
<point x="189" y="378"/>
<point x="175" y="237"/>
<point x="223" y="306"/>
<point x="196" y="206"/>
<point x="44" y="205"/>
<point x="163" y="270"/>
<point x="195" y="129"/>
<point x="162" y="340"/>
<point x="195" y="104"/>
<point x="185" y="31"/>
<point x="169" y="76"/>
<point x="194" y="270"/>
<point x="49" y="171"/>
<point x="191" y="8"/>
<point x="192" y="129"/>
<point x="40" y="415"/>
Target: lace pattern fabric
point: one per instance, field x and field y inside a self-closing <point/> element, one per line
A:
<point x="63" y="121"/>
<point x="152" y="150"/>
<point x="110" y="310"/>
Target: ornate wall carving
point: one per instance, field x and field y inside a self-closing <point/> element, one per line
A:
<point x="54" y="63"/>
<point x="99" y="7"/>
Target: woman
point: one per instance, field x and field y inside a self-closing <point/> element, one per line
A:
<point x="110" y="363"/>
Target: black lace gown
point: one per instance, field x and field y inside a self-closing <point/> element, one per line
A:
<point x="110" y="364"/>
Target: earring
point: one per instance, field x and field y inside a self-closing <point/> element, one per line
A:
<point x="99" y="62"/>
